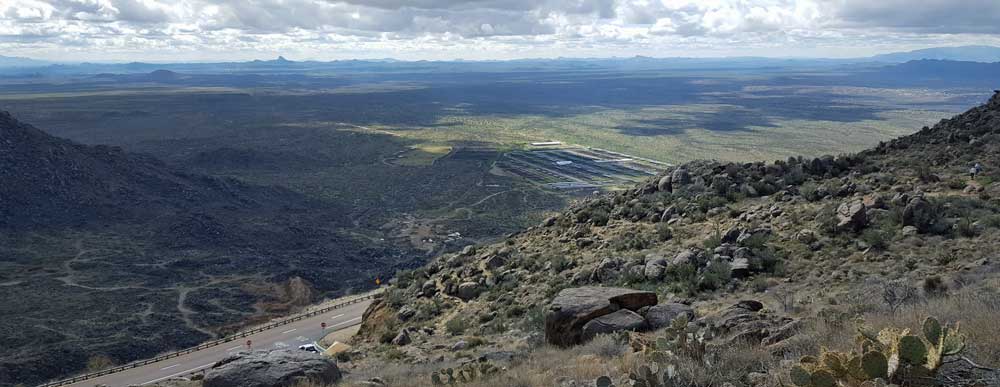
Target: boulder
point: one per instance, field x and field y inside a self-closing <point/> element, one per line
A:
<point x="851" y="215"/>
<point x="919" y="213"/>
<point x="621" y="320"/>
<point x="739" y="268"/>
<point x="691" y="256"/>
<point x="468" y="290"/>
<point x="680" y="176"/>
<point x="873" y="201"/>
<point x="659" y="316"/>
<point x="664" y="185"/>
<point x="806" y="236"/>
<point x="429" y="288"/>
<point x="732" y="234"/>
<point x="405" y="313"/>
<point x="403" y="338"/>
<point x="494" y="262"/>
<point x="606" y="271"/>
<point x="575" y="307"/>
<point x="654" y="269"/>
<point x="277" y="368"/>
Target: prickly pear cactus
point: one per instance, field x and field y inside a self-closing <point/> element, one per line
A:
<point x="892" y="355"/>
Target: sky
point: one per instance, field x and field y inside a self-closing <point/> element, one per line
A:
<point x="213" y="30"/>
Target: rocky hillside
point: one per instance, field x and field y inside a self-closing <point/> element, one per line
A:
<point x="156" y="257"/>
<point x="767" y="261"/>
<point x="50" y="181"/>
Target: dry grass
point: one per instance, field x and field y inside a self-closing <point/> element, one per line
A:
<point x="978" y="314"/>
<point x="978" y="311"/>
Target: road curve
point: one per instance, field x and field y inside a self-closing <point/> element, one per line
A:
<point x="292" y="335"/>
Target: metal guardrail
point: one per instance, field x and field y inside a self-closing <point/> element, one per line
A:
<point x="210" y="344"/>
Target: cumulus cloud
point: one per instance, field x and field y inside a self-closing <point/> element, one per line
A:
<point x="485" y="28"/>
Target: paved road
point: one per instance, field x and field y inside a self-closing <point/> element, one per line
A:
<point x="288" y="336"/>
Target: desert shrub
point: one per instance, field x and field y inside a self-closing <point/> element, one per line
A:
<point x="664" y="232"/>
<point x="605" y="347"/>
<point x="876" y="238"/>
<point x="475" y="341"/>
<point x="599" y="217"/>
<point x="991" y="221"/>
<point x="964" y="228"/>
<point x="395" y="297"/>
<point x="809" y="190"/>
<point x="682" y="278"/>
<point x="934" y="286"/>
<point x="956" y="183"/>
<point x="715" y="276"/>
<point x="456" y="326"/>
<point x="895" y="294"/>
<point x="99" y="363"/>
<point x="759" y="284"/>
<point x="630" y="241"/>
<point x="708" y="202"/>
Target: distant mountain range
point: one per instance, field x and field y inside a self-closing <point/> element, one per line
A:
<point x="16" y="61"/>
<point x="983" y="54"/>
<point x="964" y="53"/>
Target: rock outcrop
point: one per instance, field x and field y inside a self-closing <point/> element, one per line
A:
<point x="278" y="368"/>
<point x="573" y="308"/>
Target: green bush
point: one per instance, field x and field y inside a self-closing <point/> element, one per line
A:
<point x="715" y="276"/>
<point x="664" y="232"/>
<point x="877" y="239"/>
<point x="456" y="326"/>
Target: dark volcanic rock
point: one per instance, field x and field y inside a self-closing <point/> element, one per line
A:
<point x="575" y="307"/>
<point x="278" y="368"/>
<point x="622" y="320"/>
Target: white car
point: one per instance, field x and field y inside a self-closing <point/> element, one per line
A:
<point x="309" y="348"/>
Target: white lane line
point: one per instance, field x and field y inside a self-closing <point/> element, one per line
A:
<point x="179" y="373"/>
<point x="167" y="368"/>
<point x="337" y="316"/>
<point x="347" y="322"/>
<point x="236" y="347"/>
<point x="290" y="330"/>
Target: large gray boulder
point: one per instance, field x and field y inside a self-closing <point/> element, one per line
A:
<point x="622" y="320"/>
<point x="919" y="213"/>
<point x="659" y="316"/>
<point x="655" y="268"/>
<point x="665" y="184"/>
<point x="573" y="308"/>
<point x="680" y="176"/>
<point x="851" y="215"/>
<point x="468" y="290"/>
<point x="277" y="368"/>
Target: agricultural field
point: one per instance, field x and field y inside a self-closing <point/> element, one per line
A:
<point x="579" y="167"/>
